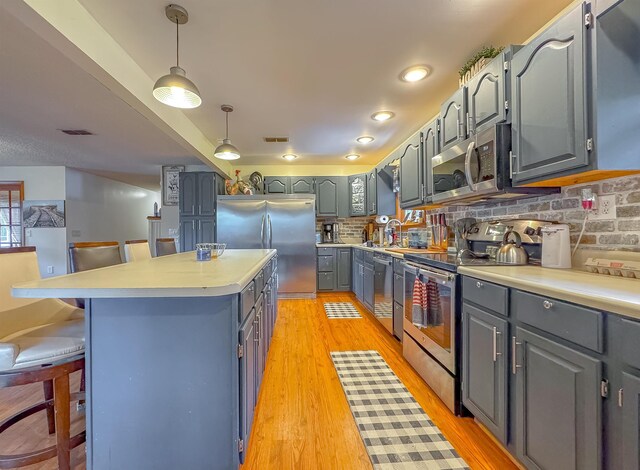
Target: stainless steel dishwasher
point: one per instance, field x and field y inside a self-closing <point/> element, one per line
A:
<point x="383" y="290"/>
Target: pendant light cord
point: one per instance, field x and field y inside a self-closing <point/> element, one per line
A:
<point x="227" y="117"/>
<point x="177" y="43"/>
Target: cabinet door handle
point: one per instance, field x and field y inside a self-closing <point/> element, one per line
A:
<point x="479" y="285"/>
<point x="621" y="397"/>
<point x="514" y="359"/>
<point x="256" y="334"/>
<point x="495" y="344"/>
<point x="458" y="123"/>
<point x="193" y="209"/>
<point x="547" y="304"/>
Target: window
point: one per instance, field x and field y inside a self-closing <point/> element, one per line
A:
<point x="11" y="196"/>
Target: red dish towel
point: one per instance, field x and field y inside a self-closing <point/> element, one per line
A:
<point x="420" y="301"/>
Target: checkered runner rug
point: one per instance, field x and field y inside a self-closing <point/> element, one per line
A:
<point x="341" y="310"/>
<point x="396" y="431"/>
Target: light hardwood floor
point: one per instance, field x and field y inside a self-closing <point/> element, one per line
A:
<point x="302" y="421"/>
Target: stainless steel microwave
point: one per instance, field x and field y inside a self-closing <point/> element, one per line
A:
<point x="478" y="169"/>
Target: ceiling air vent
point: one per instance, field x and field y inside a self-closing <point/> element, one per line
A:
<point x="76" y="131"/>
<point x="273" y="140"/>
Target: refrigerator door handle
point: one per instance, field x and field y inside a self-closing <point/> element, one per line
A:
<point x="270" y="230"/>
<point x="262" y="232"/>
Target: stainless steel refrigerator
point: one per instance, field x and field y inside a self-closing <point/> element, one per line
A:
<point x="286" y="223"/>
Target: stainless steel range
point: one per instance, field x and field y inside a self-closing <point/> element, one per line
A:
<point x="432" y="305"/>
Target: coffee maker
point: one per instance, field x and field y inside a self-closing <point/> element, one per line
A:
<point x="330" y="233"/>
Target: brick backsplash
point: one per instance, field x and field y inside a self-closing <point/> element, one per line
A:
<point x="621" y="233"/>
<point x="351" y="227"/>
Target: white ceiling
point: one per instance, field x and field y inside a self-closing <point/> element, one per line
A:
<point x="43" y="91"/>
<point x="315" y="71"/>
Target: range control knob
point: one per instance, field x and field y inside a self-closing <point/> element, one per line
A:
<point x="530" y="231"/>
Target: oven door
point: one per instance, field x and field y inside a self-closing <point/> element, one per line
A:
<point x="430" y="311"/>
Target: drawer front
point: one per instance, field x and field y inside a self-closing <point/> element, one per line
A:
<point x="368" y="257"/>
<point x="358" y="254"/>
<point x="574" y="323"/>
<point x="325" y="263"/>
<point x="259" y="279"/>
<point x="486" y="295"/>
<point x="630" y="344"/>
<point x="326" y="281"/>
<point x="397" y="266"/>
<point x="325" y="251"/>
<point x="398" y="288"/>
<point x="247" y="300"/>
<point x="266" y="271"/>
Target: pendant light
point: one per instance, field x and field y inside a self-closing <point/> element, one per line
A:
<point x="226" y="151"/>
<point x="176" y="89"/>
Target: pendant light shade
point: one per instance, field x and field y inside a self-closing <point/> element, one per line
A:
<point x="176" y="89"/>
<point x="227" y="151"/>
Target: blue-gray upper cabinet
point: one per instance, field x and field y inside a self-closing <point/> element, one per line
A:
<point x="558" y="418"/>
<point x="188" y="201"/>
<point x="453" y="116"/>
<point x="411" y="173"/>
<point x="430" y="148"/>
<point x="550" y="82"/>
<point x="372" y="193"/>
<point x="357" y="195"/>
<point x="277" y="185"/>
<point x="484" y="368"/>
<point x="206" y="194"/>
<point x="302" y="185"/>
<point x="332" y="196"/>
<point x="487" y="100"/>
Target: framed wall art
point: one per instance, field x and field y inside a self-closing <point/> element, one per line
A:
<point x="171" y="184"/>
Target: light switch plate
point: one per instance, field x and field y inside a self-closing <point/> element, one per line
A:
<point x="49" y="269"/>
<point x="606" y="208"/>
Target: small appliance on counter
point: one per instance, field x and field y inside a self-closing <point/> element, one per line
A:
<point x="331" y="233"/>
<point x="556" y="246"/>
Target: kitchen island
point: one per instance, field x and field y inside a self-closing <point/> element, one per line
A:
<point x="175" y="351"/>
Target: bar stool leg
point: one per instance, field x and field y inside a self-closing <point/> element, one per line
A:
<point x="48" y="395"/>
<point x="62" y="402"/>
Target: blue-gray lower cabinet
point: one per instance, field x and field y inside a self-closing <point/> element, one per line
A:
<point x="368" y="293"/>
<point x="484" y="368"/>
<point x="248" y="374"/>
<point x="254" y="339"/>
<point x="357" y="279"/>
<point x="628" y="400"/>
<point x="334" y="269"/>
<point x="558" y="418"/>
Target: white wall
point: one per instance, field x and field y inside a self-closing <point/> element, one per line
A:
<point x="43" y="183"/>
<point x="101" y="209"/>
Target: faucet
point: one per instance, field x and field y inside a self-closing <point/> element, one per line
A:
<point x="389" y="227"/>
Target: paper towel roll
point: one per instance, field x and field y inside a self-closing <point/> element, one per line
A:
<point x="382" y="219"/>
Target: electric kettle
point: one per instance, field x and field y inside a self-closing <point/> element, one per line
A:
<point x="512" y="252"/>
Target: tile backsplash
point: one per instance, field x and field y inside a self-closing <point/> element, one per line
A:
<point x="621" y="233"/>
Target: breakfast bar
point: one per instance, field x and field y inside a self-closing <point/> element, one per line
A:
<point x="175" y="350"/>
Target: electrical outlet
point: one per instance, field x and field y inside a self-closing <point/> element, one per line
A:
<point x="606" y="208"/>
<point x="49" y="269"/>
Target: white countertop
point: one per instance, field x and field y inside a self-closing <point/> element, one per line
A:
<point x="177" y="275"/>
<point x="608" y="293"/>
<point x="360" y="246"/>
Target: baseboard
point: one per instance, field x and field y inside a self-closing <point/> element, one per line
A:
<point x="500" y="445"/>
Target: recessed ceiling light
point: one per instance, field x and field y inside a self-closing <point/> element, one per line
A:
<point x="353" y="156"/>
<point x="415" y="73"/>
<point x="289" y="157"/>
<point x="382" y="116"/>
<point x="365" y="139"/>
